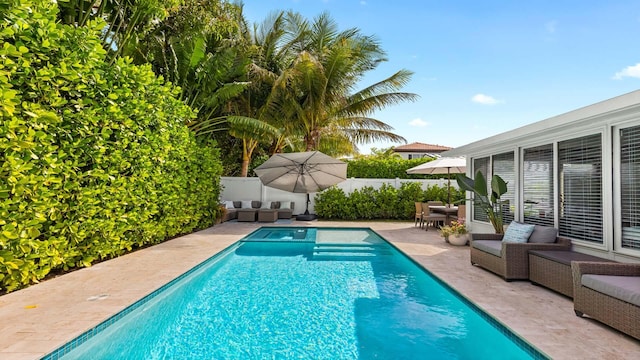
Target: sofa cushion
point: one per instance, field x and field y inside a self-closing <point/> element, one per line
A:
<point x="246" y="204"/>
<point x="265" y="205"/>
<point x="625" y="288"/>
<point x="490" y="246"/>
<point x="285" y="205"/>
<point x="518" y="232"/>
<point x="543" y="234"/>
<point x="229" y="205"/>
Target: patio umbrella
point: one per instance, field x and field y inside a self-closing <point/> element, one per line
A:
<point x="302" y="172"/>
<point x="455" y="165"/>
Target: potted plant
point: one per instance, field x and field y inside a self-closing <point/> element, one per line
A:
<point x="455" y="233"/>
<point x="489" y="203"/>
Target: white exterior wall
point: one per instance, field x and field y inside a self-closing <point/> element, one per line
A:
<point x="250" y="188"/>
<point x="601" y="118"/>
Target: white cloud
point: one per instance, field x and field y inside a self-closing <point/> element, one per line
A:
<point x="629" y="71"/>
<point x="418" y="122"/>
<point x="485" y="99"/>
<point x="363" y="3"/>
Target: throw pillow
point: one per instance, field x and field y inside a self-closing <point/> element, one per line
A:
<point x="266" y="205"/>
<point x="285" y="205"/>
<point x="229" y="204"/>
<point x="543" y="234"/>
<point x="518" y="232"/>
<point x="246" y="204"/>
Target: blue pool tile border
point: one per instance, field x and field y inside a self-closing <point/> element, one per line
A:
<point x="81" y="339"/>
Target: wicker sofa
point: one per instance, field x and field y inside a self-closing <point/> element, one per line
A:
<point x="608" y="292"/>
<point x="232" y="213"/>
<point x="510" y="260"/>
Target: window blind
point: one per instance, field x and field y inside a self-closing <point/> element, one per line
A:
<point x="580" y="188"/>
<point x="482" y="165"/>
<point x="538" y="185"/>
<point x="630" y="186"/>
<point x="503" y="166"/>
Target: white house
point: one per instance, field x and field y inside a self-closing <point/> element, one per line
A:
<point x="578" y="172"/>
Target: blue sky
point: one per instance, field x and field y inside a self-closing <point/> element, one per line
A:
<point x="485" y="67"/>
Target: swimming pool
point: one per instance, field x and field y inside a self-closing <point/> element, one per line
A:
<point x="310" y="293"/>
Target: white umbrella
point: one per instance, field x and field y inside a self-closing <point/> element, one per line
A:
<point x="302" y="172"/>
<point x="454" y="165"/>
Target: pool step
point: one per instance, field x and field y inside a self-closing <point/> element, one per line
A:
<point x="348" y="252"/>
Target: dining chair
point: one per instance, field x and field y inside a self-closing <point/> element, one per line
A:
<point x="418" y="216"/>
<point x="461" y="215"/>
<point x="430" y="217"/>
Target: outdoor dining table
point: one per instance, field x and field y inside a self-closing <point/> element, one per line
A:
<point x="447" y="210"/>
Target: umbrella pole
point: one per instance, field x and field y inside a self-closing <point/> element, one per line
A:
<point x="306" y="211"/>
<point x="448" y="187"/>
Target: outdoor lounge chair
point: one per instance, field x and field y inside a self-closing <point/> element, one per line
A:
<point x="510" y="260"/>
<point x="608" y="292"/>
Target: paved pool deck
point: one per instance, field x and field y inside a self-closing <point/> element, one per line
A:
<point x="37" y="320"/>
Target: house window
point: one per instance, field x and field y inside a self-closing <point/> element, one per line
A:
<point x="482" y="165"/>
<point x="503" y="166"/>
<point x="538" y="185"/>
<point x="410" y="156"/>
<point x="630" y="186"/>
<point x="580" y="188"/>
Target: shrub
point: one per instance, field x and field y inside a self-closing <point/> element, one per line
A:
<point x="96" y="159"/>
<point x="333" y="203"/>
<point x="368" y="203"/>
<point x="385" y="168"/>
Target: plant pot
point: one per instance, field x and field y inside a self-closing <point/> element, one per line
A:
<point x="458" y="239"/>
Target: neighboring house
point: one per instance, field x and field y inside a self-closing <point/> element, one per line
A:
<point x="418" y="150"/>
<point x="578" y="172"/>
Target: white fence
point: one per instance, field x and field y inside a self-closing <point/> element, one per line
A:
<point x="250" y="188"/>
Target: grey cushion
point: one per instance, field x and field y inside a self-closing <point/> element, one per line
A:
<point x="543" y="234"/>
<point x="625" y="288"/>
<point x="518" y="232"/>
<point x="490" y="246"/>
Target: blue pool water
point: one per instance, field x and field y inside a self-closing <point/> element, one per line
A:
<point x="285" y="293"/>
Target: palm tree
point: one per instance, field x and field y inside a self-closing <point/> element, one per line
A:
<point x="316" y="90"/>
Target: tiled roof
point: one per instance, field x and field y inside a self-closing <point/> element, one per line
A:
<point x="420" y="147"/>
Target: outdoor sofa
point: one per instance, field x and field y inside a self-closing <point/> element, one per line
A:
<point x="608" y="292"/>
<point x="510" y="260"/>
<point x="250" y="210"/>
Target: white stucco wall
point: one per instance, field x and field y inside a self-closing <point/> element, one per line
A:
<point x="250" y="188"/>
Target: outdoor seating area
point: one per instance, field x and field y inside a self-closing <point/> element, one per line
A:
<point x="251" y="211"/>
<point x="435" y="214"/>
<point x="601" y="289"/>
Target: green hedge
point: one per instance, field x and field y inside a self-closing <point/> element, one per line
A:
<point x="386" y="202"/>
<point x="385" y="168"/>
<point x="95" y="158"/>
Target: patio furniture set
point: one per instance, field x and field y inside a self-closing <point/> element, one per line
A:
<point x="605" y="290"/>
<point x="435" y="213"/>
<point x="261" y="211"/>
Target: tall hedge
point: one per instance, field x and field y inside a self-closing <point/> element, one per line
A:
<point x="385" y="168"/>
<point x="387" y="202"/>
<point x="94" y="159"/>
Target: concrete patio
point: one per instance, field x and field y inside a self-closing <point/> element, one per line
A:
<point x="37" y="320"/>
